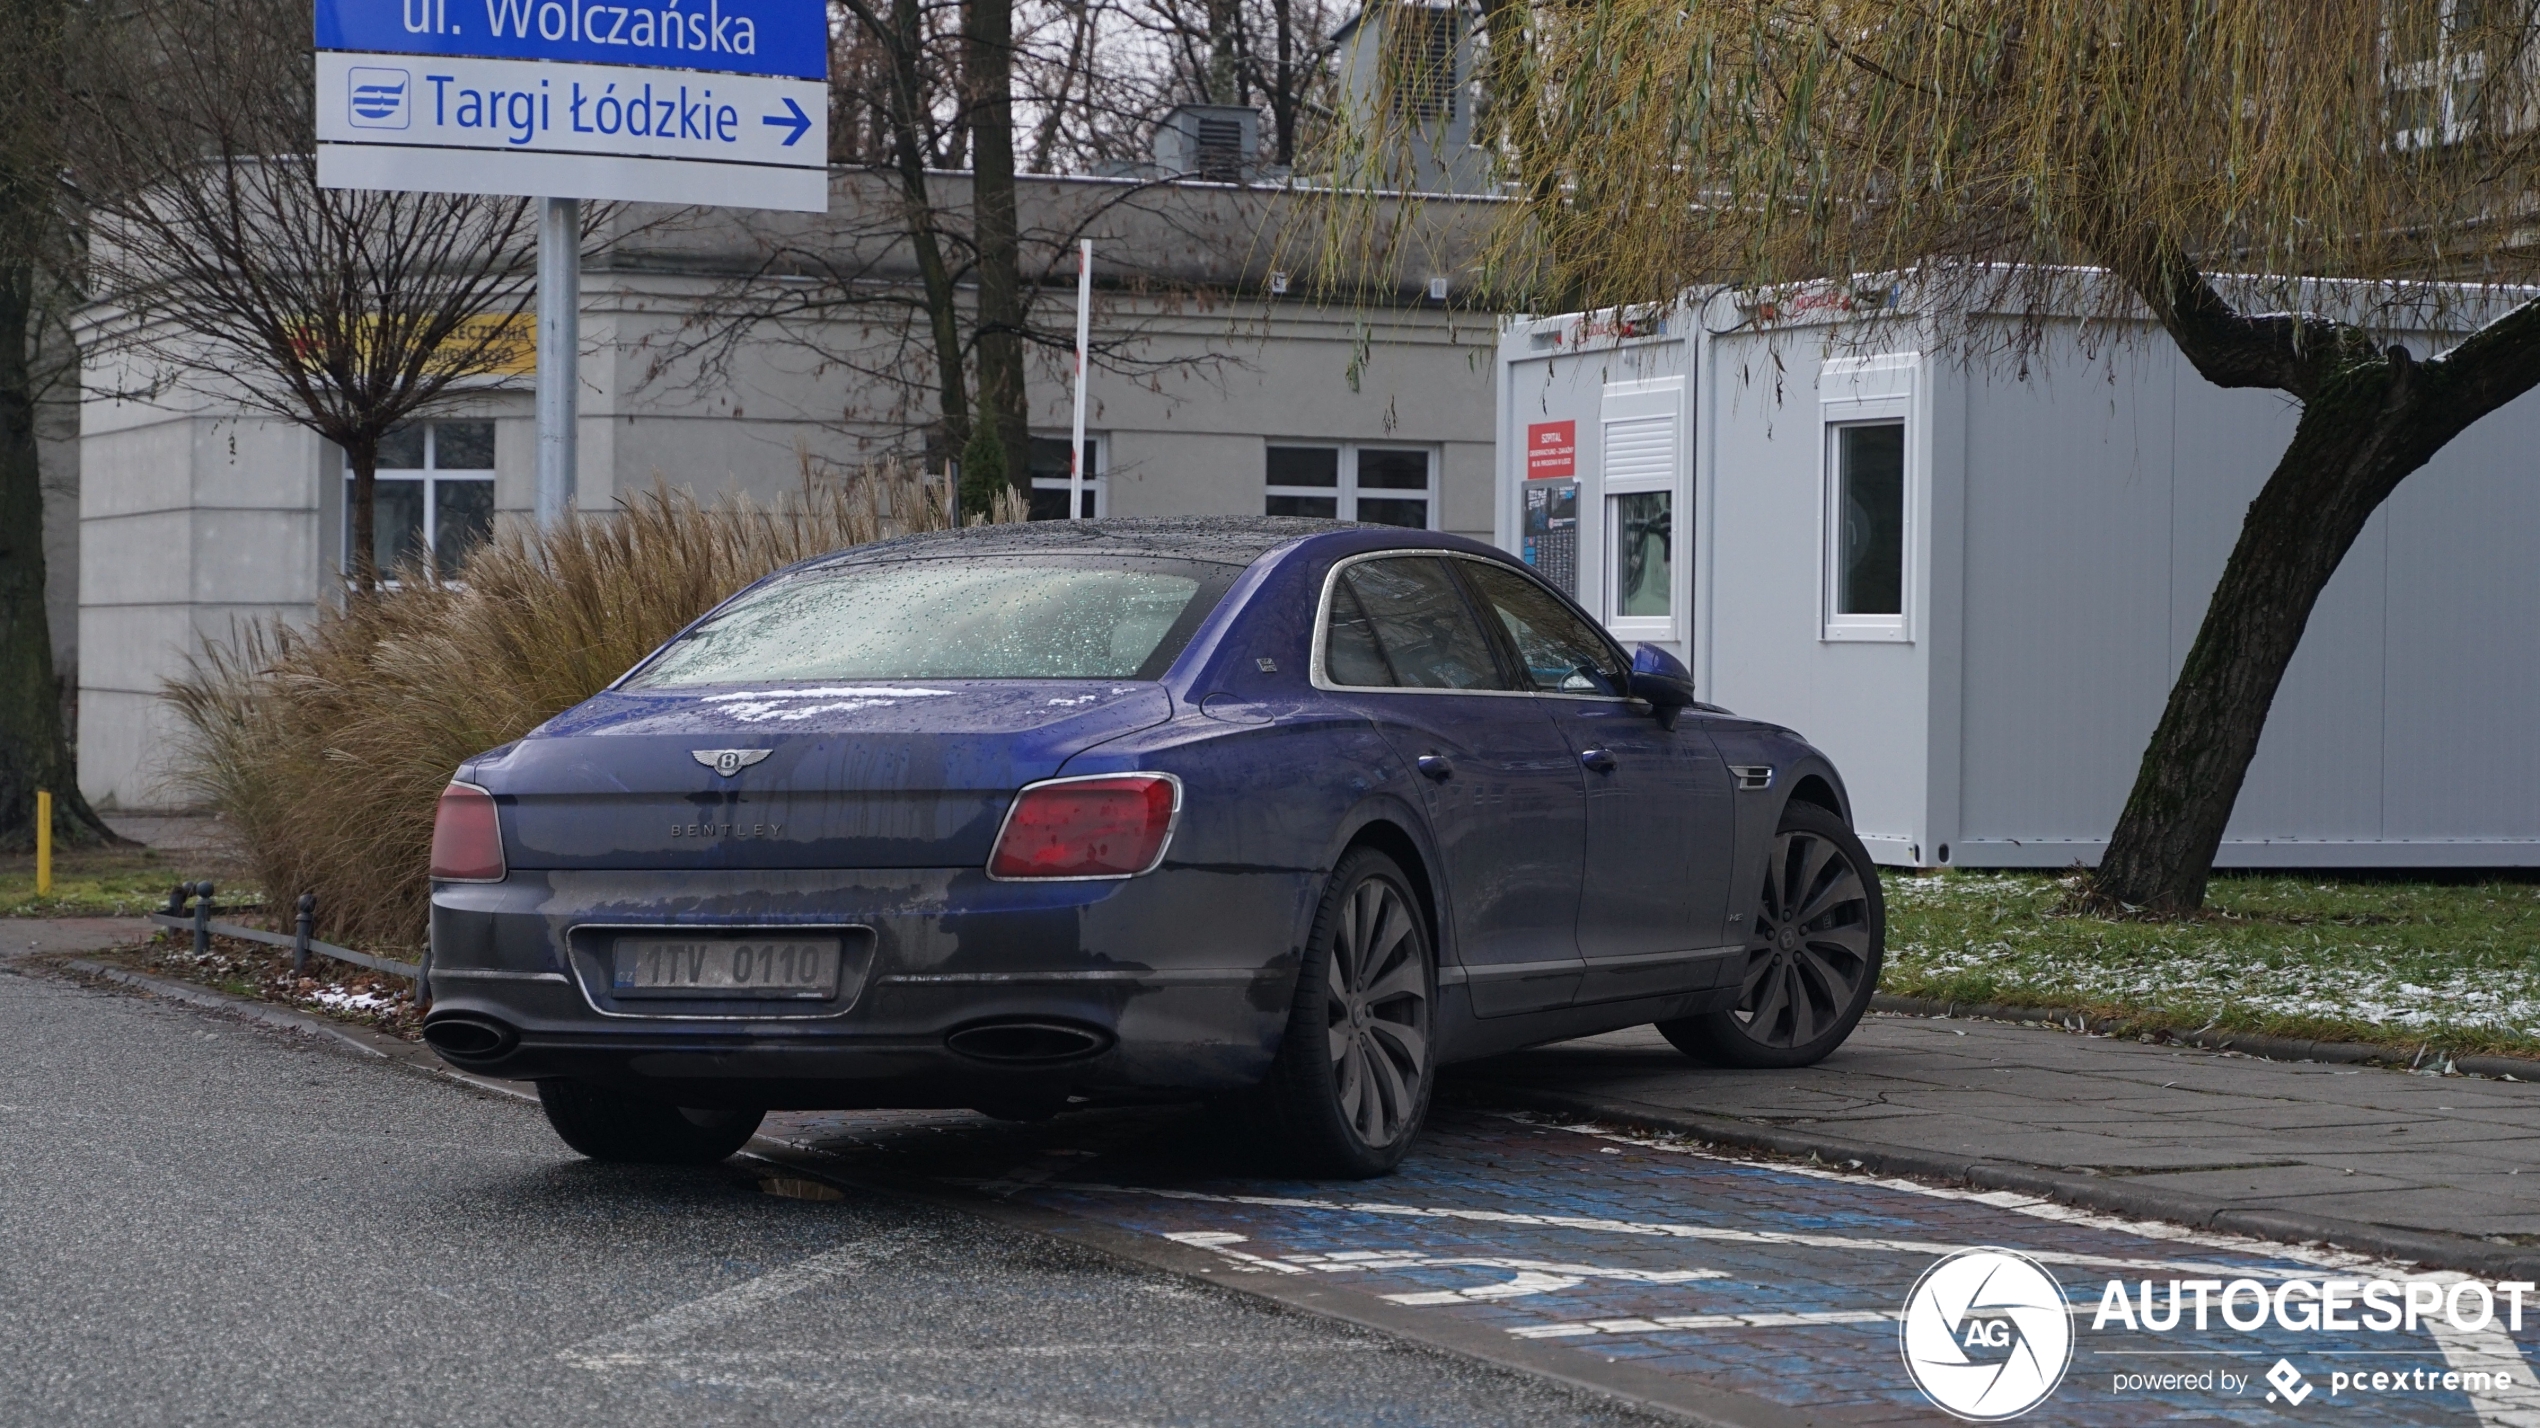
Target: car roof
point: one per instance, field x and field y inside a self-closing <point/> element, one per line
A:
<point x="1230" y="540"/>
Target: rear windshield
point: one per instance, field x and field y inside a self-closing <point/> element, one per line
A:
<point x="995" y="617"/>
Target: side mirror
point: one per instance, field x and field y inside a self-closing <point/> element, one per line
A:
<point x="1661" y="679"/>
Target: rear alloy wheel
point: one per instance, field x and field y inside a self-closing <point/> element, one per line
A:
<point x="613" y="1126"/>
<point x="1351" y="1085"/>
<point x="1812" y="956"/>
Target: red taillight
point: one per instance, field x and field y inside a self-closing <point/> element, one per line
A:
<point x="467" y="837"/>
<point x="1113" y="826"/>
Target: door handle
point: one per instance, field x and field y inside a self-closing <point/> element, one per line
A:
<point x="1435" y="766"/>
<point x="1601" y="760"/>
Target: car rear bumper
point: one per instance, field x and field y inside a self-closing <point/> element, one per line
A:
<point x="1178" y="981"/>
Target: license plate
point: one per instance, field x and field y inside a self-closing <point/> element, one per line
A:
<point x="798" y="967"/>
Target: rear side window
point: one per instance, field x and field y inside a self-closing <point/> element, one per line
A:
<point x="1561" y="652"/>
<point x="1403" y="623"/>
<point x="1023" y="617"/>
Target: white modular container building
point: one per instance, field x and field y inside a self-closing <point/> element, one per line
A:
<point x="1973" y="583"/>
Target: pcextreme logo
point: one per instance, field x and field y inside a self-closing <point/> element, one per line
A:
<point x="1987" y="1335"/>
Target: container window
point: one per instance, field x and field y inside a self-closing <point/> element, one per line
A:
<point x="1869" y="510"/>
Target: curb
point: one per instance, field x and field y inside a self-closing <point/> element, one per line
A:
<point x="361" y="1041"/>
<point x="2248" y="1043"/>
<point x="2108" y="1195"/>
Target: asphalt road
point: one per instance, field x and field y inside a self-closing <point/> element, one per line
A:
<point x="207" y="1222"/>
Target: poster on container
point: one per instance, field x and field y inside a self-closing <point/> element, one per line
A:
<point x="722" y="102"/>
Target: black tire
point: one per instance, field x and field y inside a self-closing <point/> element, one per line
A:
<point x="1350" y="1088"/>
<point x="613" y="1126"/>
<point x="1814" y="950"/>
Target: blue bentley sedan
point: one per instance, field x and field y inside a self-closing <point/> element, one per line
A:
<point x="1284" y="813"/>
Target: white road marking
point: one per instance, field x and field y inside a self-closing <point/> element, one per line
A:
<point x="632" y="1342"/>
<point x="1664" y="1229"/>
<point x="1664" y="1322"/>
<point x="1534" y="1276"/>
<point x="2490" y="1350"/>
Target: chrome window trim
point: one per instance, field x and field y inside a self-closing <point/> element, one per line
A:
<point x="1323" y="628"/>
<point x="1171" y="827"/>
<point x="714" y="929"/>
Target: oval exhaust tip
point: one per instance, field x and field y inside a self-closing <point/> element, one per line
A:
<point x="468" y="1038"/>
<point x="1021" y="1042"/>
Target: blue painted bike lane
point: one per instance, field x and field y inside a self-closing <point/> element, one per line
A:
<point x="1783" y="1282"/>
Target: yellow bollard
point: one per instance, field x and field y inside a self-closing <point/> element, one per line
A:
<point x="43" y="843"/>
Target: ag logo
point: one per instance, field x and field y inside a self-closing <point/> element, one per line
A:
<point x="1987" y="1335"/>
<point x="728" y="762"/>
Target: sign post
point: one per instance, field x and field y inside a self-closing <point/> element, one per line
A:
<point x="719" y="102"/>
<point x="559" y="354"/>
<point x="1084" y="323"/>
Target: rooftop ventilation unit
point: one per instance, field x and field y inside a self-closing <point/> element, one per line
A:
<point x="1218" y="143"/>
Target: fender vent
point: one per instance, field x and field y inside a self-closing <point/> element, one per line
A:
<point x="1751" y="777"/>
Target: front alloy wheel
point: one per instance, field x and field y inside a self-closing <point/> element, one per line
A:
<point x="1813" y="954"/>
<point x="1351" y="1084"/>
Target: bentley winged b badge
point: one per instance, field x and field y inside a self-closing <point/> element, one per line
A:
<point x="728" y="762"/>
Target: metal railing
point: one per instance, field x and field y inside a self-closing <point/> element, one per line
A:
<point x="198" y="919"/>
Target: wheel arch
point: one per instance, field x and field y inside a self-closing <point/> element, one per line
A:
<point x="1395" y="841"/>
<point x="1817" y="788"/>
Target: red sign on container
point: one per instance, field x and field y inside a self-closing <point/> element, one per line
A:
<point x="1552" y="450"/>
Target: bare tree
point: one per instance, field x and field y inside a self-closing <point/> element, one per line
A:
<point x="37" y="254"/>
<point x="1986" y="150"/>
<point x="347" y="312"/>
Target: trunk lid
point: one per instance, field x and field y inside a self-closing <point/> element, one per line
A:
<point x="904" y="774"/>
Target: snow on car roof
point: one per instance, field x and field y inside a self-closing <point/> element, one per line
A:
<point x="1231" y="540"/>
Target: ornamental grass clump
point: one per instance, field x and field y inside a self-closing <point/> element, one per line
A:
<point x="325" y="746"/>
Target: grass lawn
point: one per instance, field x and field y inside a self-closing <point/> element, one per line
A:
<point x="2452" y="964"/>
<point x="109" y="882"/>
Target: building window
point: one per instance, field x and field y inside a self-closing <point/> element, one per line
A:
<point x="1381" y="485"/>
<point x="1049" y="479"/>
<point x="2434" y="69"/>
<point x="1865" y="528"/>
<point x="1643" y="524"/>
<point x="1419" y="61"/>
<point x="434" y="497"/>
<point x="1637" y="465"/>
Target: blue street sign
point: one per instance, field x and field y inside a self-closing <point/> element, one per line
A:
<point x="771" y="37"/>
<point x="683" y="101"/>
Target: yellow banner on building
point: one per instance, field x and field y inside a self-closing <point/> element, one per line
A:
<point x="511" y="343"/>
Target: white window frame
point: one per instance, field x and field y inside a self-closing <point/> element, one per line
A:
<point x="1095" y="481"/>
<point x="1867" y="391"/>
<point x="428" y="475"/>
<point x="1660" y="397"/>
<point x="1346" y="494"/>
<point x="2447" y="75"/>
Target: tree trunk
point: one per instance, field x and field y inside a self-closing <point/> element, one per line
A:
<point x="2348" y="454"/>
<point x="1004" y="416"/>
<point x="34" y="753"/>
<point x="905" y="46"/>
<point x="362" y="558"/>
<point x="1225" y="52"/>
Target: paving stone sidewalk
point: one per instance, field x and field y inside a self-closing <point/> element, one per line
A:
<point x="2457" y="1155"/>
